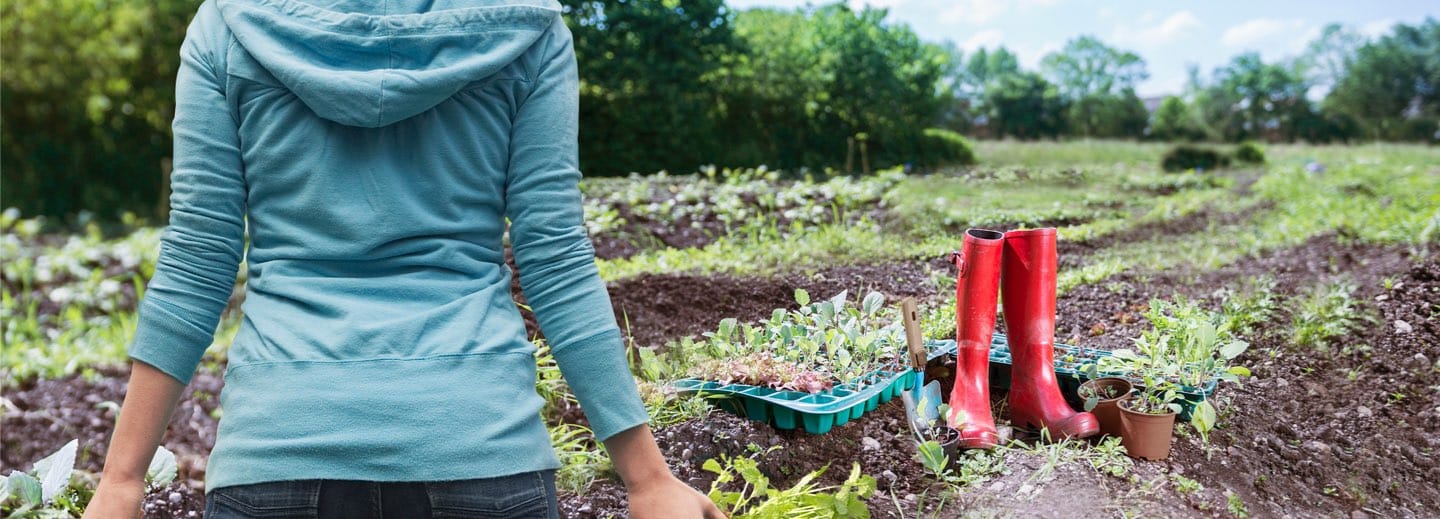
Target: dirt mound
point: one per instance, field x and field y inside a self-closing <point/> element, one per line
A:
<point x="1106" y="315"/>
<point x="1355" y="428"/>
<point x="686" y="447"/>
<point x="661" y="307"/>
<point x="1073" y="253"/>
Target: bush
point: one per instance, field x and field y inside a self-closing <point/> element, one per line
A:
<point x="940" y="147"/>
<point x="1250" y="153"/>
<point x="1185" y="158"/>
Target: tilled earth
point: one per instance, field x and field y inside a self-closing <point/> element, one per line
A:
<point x="1350" y="431"/>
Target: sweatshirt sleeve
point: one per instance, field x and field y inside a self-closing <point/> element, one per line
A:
<point x="200" y="251"/>
<point x="555" y="256"/>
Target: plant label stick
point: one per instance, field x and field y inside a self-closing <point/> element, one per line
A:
<point x="910" y="314"/>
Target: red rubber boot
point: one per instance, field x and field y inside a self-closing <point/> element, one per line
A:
<point x="976" y="287"/>
<point x="1028" y="282"/>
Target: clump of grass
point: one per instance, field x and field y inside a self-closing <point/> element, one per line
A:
<point x="581" y="462"/>
<point x="1325" y="314"/>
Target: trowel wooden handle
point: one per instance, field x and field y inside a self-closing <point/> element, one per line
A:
<point x="910" y="314"/>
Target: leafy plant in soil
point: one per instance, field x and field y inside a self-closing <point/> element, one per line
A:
<point x="758" y="500"/>
<point x="54" y="488"/>
<point x="1325" y="314"/>
<point x="730" y="199"/>
<point x="1246" y="309"/>
<point x="811" y="349"/>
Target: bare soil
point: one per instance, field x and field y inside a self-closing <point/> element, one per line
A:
<point x="661" y="307"/>
<point x="40" y="416"/>
<point x="1351" y="431"/>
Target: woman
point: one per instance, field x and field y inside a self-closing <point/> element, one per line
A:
<point x="375" y="151"/>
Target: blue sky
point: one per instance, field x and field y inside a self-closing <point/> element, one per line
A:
<point x="1170" y="35"/>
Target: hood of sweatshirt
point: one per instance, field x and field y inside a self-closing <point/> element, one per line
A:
<point x="370" y="64"/>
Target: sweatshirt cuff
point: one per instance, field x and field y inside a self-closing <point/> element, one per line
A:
<point x="596" y="370"/>
<point x="167" y="342"/>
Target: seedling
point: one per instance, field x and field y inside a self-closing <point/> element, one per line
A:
<point x="810" y="349"/>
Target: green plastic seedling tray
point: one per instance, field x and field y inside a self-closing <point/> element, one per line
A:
<point x="1068" y="360"/>
<point x="816" y="413"/>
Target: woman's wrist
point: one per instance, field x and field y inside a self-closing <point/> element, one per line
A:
<point x="637" y="458"/>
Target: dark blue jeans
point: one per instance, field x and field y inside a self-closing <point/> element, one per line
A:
<point x="527" y="495"/>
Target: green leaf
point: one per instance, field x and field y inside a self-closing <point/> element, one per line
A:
<point x="1234" y="349"/>
<point x="802" y="297"/>
<point x="26" y="487"/>
<point x="1239" y="371"/>
<point x="872" y="303"/>
<point x="1090" y="402"/>
<point x="54" y="470"/>
<point x="162" y="468"/>
<point x="1204" y="417"/>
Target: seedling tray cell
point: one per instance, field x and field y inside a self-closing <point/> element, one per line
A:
<point x="816" y="413"/>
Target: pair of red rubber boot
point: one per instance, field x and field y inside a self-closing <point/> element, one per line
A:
<point x="1022" y="265"/>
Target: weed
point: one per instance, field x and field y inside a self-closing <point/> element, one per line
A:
<point x="580" y="461"/>
<point x="1325" y="314"/>
<point x="1235" y="505"/>
<point x="1251" y="307"/>
<point x="1186" y="485"/>
<point x="806" y="499"/>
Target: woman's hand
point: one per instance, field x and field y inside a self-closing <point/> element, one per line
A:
<point x="654" y="491"/>
<point x="116" y="499"/>
<point x="670" y="497"/>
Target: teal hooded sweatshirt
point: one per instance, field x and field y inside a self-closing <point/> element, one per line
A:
<point x="376" y="151"/>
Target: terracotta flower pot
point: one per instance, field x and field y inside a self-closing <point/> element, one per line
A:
<point x="1107" y="410"/>
<point x="1146" y="435"/>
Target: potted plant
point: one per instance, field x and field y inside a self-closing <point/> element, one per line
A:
<point x="1147" y="420"/>
<point x="1102" y="397"/>
<point x="1190" y="348"/>
<point x="937" y="444"/>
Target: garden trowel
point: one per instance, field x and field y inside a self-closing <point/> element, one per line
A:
<point x="922" y="404"/>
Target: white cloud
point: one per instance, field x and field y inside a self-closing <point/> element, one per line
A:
<point x="1303" y="38"/>
<point x="989" y="38"/>
<point x="1377" y="28"/>
<point x="973" y="11"/>
<point x="1149" y="34"/>
<point x="1030" y="55"/>
<point x="1260" y="30"/>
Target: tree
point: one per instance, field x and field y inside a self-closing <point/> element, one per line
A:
<point x="1174" y="121"/>
<point x="87" y="92"/>
<point x="645" y="101"/>
<point x="808" y="80"/>
<point x="1025" y="106"/>
<point x="1251" y="99"/>
<point x="1098" y="82"/>
<point x="1087" y="67"/>
<point x="1327" y="59"/>
<point x="1393" y="84"/>
<point x="973" y="78"/>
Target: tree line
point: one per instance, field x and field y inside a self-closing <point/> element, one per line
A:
<point x="86" y="93"/>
